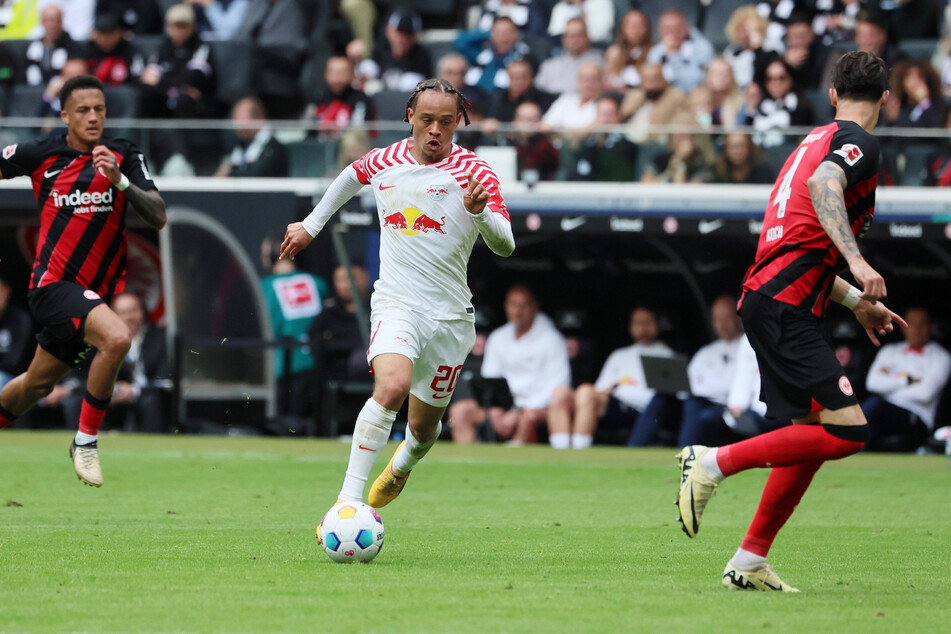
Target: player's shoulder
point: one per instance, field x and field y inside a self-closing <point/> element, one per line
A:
<point x="120" y="144"/>
<point x="37" y="147"/>
<point x="851" y="132"/>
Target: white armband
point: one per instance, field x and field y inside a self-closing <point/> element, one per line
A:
<point x="851" y="298"/>
<point x="123" y="183"/>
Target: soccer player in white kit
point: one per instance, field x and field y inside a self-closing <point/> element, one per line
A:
<point x="434" y="199"/>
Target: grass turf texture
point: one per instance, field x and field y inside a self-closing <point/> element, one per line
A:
<point x="217" y="534"/>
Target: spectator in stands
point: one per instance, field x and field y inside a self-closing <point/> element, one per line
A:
<point x="140" y="397"/>
<point x="741" y="162"/>
<point x="871" y="35"/>
<point x="293" y="299"/>
<point x="257" y="152"/>
<point x="810" y="60"/>
<point x="778" y="13"/>
<point x="717" y="101"/>
<point x="360" y="16"/>
<point x="835" y="23"/>
<point x="559" y="74"/>
<point x="688" y="159"/>
<point x="16" y="329"/>
<point x="711" y="372"/>
<point x="78" y="16"/>
<point x="139" y="16"/>
<point x="747" y="50"/>
<point x="338" y="347"/>
<point x="577" y="110"/>
<point x="489" y="54"/>
<point x="50" y="106"/>
<point x="916" y="96"/>
<point x="598" y="16"/>
<point x="605" y="156"/>
<point x="683" y="51"/>
<point x="278" y="29"/>
<point x="504" y="101"/>
<point x="219" y="19"/>
<point x="399" y="61"/>
<point x="342" y="105"/>
<point x="530" y="18"/>
<point x="906" y="380"/>
<point x="654" y="103"/>
<point x="939" y="163"/>
<point x="110" y="55"/>
<point x="46" y="56"/>
<point x="913" y="19"/>
<point x="179" y="80"/>
<point x="537" y="157"/>
<point x="531" y="355"/>
<point x="625" y="57"/>
<point x="779" y="108"/>
<point x="619" y="405"/>
<point x="454" y="68"/>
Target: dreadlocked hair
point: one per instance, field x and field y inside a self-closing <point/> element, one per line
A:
<point x="439" y="85"/>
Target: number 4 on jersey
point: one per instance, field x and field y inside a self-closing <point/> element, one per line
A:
<point x="785" y="188"/>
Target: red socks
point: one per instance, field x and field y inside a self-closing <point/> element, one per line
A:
<point x="91" y="414"/>
<point x="784" y="488"/>
<point x="793" y="445"/>
<point x="6" y="417"/>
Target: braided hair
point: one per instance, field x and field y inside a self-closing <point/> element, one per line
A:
<point x="443" y="86"/>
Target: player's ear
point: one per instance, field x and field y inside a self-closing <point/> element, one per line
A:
<point x="834" y="97"/>
<point x="885" y="95"/>
<point x="409" y="116"/>
<point x="62" y="115"/>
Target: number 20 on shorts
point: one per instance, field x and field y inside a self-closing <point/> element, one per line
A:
<point x="445" y="381"/>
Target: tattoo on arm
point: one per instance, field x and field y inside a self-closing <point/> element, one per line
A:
<point x="148" y="204"/>
<point x="826" y="187"/>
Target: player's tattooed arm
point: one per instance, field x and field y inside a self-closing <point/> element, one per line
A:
<point x="827" y="187"/>
<point x="148" y="204"/>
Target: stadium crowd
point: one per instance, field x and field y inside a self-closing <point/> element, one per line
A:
<point x="342" y="70"/>
<point x="579" y="89"/>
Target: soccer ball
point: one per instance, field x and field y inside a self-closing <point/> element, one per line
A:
<point x="351" y="531"/>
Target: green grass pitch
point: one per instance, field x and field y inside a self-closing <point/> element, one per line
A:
<point x="217" y="534"/>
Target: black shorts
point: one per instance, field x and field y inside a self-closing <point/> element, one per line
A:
<point x="799" y="372"/>
<point x="60" y="309"/>
<point x="618" y="415"/>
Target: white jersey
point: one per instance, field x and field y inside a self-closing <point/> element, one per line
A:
<point x="533" y="365"/>
<point x="712" y="368"/>
<point x="426" y="233"/>
<point x="623" y="373"/>
<point x="897" y="363"/>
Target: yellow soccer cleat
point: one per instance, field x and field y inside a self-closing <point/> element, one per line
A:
<point x="386" y="487"/>
<point x="696" y="488"/>
<point x="763" y="578"/>
<point x="86" y="463"/>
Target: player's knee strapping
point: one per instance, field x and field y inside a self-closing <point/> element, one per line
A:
<point x="851" y="439"/>
<point x="373" y="425"/>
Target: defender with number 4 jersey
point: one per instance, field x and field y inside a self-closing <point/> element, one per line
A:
<point x="796" y="261"/>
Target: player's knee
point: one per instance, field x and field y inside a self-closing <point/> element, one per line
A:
<point x="117" y="342"/>
<point x="39" y="389"/>
<point x="586" y="396"/>
<point x="563" y="397"/>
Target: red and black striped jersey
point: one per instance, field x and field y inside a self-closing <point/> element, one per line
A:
<point x="82" y="214"/>
<point x="796" y="261"/>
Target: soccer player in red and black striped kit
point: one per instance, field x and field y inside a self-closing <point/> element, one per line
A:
<point x="83" y="183"/>
<point x="823" y="198"/>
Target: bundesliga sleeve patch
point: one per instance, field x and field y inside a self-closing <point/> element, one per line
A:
<point x="850" y="152"/>
<point x="9" y="151"/>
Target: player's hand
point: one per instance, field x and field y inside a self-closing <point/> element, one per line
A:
<point x="295" y="240"/>
<point x="877" y="319"/>
<point x="475" y="197"/>
<point x="873" y="284"/>
<point x="106" y="162"/>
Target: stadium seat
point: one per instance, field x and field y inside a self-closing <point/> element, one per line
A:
<point x="717" y="15"/>
<point x="915" y="168"/>
<point x="18" y="48"/>
<point x="390" y="105"/>
<point x="4" y="96"/>
<point x="122" y="102"/>
<point x="147" y="44"/>
<point x="646" y="153"/>
<point x="234" y="66"/>
<point x="821" y="106"/>
<point x="918" y="49"/>
<point x="25" y="101"/>
<point x="776" y="156"/>
<point x="311" y="158"/>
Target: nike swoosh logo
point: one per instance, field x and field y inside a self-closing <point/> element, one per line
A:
<point x="387" y="187"/>
<point x="48" y="174"/>
<point x="443" y="396"/>
<point x="709" y="226"/>
<point x="570" y="224"/>
<point x="367" y="448"/>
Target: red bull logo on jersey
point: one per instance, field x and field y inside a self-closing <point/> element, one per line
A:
<point x="82" y="202"/>
<point x="437" y="192"/>
<point x="9" y="151"/>
<point x="850" y="152"/>
<point x="412" y="221"/>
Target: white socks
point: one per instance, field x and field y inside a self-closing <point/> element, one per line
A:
<point x="559" y="441"/>
<point x="709" y="462"/>
<point x="411" y="453"/>
<point x="745" y="560"/>
<point x="85" y="439"/>
<point x="370" y="434"/>
<point x="581" y="441"/>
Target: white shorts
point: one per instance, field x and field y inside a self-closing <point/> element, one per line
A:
<point x="436" y="348"/>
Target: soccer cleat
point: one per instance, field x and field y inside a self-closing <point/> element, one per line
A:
<point x="763" y="578"/>
<point x="86" y="462"/>
<point x="696" y="488"/>
<point x="386" y="487"/>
